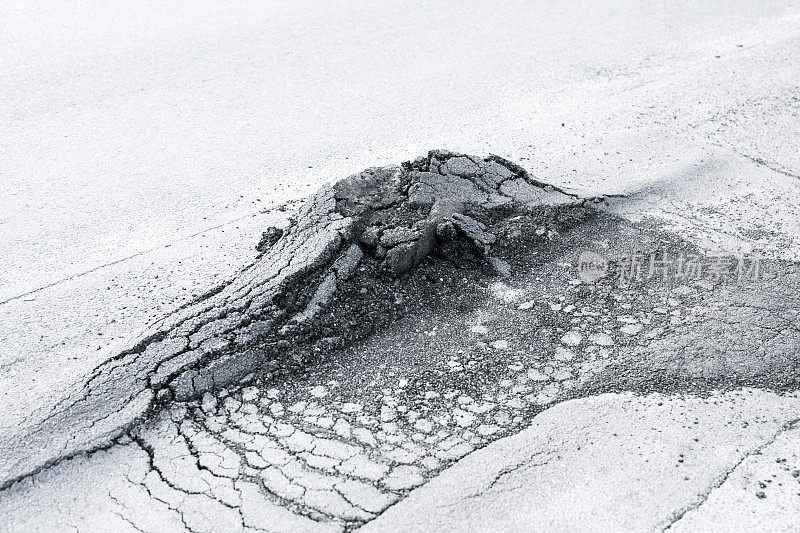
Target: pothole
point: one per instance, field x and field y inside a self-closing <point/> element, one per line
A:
<point x="409" y="316"/>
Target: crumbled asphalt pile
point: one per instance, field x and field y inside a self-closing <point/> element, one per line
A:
<point x="388" y="219"/>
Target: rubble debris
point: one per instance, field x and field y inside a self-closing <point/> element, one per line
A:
<point x="386" y="220"/>
<point x="499" y="267"/>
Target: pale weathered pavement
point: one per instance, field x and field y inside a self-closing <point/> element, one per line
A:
<point x="624" y="463"/>
<point x="111" y="149"/>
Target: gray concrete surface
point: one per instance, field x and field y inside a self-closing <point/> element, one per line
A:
<point x="761" y="493"/>
<point x="140" y="143"/>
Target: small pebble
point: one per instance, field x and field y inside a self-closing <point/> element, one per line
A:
<point x="572" y="338"/>
<point x="501" y="344"/>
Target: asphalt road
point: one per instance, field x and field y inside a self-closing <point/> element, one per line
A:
<point x="140" y="143"/>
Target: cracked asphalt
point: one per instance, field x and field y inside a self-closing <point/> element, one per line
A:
<point x="272" y="310"/>
<point x="622" y="462"/>
<point x="380" y="382"/>
<point x="414" y="372"/>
